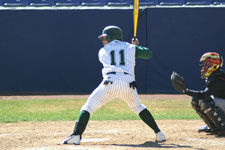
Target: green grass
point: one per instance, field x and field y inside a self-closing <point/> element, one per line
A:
<point x="68" y="109"/>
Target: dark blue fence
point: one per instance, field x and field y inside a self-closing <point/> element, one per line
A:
<point x="56" y="51"/>
<point x="178" y="38"/>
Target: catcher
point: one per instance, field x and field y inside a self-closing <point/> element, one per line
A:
<point x="209" y="103"/>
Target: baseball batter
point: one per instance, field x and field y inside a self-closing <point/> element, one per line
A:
<point x="118" y="60"/>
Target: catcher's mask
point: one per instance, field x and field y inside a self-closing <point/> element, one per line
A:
<point x="111" y="33"/>
<point x="209" y="63"/>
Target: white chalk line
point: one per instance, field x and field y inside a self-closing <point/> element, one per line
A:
<point x="104" y="131"/>
<point x="57" y="148"/>
<point x="94" y="140"/>
<point x="60" y="133"/>
<point x="72" y="147"/>
<point x="9" y="134"/>
<point x="17" y="134"/>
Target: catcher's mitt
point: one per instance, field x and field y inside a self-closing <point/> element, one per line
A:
<point x="178" y="82"/>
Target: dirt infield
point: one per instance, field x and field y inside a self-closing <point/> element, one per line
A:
<point x="107" y="135"/>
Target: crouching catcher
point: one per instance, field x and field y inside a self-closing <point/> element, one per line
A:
<point x="209" y="103"/>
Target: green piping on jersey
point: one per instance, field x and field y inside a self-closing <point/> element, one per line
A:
<point x="143" y="52"/>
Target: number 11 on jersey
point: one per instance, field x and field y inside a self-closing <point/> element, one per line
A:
<point x="121" y="55"/>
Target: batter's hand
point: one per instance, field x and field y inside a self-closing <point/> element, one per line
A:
<point x="135" y="41"/>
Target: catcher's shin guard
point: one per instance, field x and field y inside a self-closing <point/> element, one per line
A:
<point x="207" y="121"/>
<point x="217" y="117"/>
<point x="205" y="118"/>
<point x="213" y="112"/>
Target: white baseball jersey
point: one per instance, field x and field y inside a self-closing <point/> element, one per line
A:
<point x="117" y="57"/>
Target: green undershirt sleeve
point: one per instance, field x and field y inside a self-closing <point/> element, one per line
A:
<point x="143" y="52"/>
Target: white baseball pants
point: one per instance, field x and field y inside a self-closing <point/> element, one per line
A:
<point x="119" y="88"/>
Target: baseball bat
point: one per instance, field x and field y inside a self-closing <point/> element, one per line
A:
<point x="136" y="12"/>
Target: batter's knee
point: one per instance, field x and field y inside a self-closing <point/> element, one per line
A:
<point x="138" y="109"/>
<point x="87" y="108"/>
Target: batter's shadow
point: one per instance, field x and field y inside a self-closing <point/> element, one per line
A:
<point x="158" y="145"/>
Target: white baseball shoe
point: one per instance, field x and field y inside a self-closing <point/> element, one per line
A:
<point x="160" y="137"/>
<point x="72" y="139"/>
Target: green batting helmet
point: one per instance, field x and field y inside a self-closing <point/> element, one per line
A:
<point x="111" y="33"/>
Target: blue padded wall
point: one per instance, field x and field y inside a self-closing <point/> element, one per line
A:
<point x="56" y="51"/>
<point x="178" y="38"/>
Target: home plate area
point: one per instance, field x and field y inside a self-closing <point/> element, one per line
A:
<point x="108" y="135"/>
